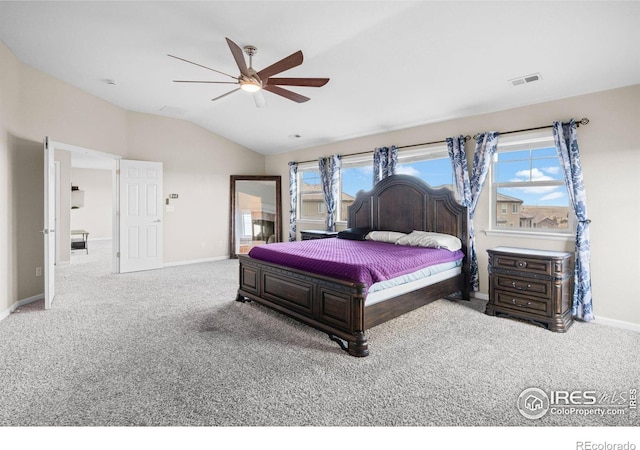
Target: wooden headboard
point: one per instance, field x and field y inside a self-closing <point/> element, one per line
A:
<point x="404" y="203"/>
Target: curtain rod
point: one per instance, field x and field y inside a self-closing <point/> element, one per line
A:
<point x="466" y="138"/>
<point x="582" y="121"/>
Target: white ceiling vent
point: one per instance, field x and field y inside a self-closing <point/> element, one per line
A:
<point x="525" y="80"/>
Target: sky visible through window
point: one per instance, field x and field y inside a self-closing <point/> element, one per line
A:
<point x="436" y="172"/>
<point x="537" y="165"/>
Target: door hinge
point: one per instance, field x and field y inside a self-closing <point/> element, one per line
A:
<point x="118" y="255"/>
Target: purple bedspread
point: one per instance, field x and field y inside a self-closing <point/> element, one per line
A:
<point x="365" y="262"/>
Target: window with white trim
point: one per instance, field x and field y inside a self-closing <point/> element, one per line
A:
<point x="431" y="164"/>
<point x="527" y="184"/>
<point x="357" y="175"/>
<point x="310" y="195"/>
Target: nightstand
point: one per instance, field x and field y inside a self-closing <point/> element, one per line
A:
<point x="533" y="285"/>
<point x="305" y="235"/>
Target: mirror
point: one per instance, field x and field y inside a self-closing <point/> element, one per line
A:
<point x="256" y="215"/>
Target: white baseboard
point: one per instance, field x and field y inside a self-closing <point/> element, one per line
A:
<point x="194" y="261"/>
<point x="617" y="323"/>
<point x="4" y="314"/>
<point x="598" y="320"/>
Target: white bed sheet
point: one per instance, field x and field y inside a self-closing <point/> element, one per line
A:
<point x="387" y="289"/>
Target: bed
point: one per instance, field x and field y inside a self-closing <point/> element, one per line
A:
<point x="345" y="307"/>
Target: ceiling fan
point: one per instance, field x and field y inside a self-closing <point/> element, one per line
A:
<point x="255" y="82"/>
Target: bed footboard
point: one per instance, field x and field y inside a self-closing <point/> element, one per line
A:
<point x="333" y="306"/>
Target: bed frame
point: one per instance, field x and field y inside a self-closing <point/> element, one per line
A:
<point x="337" y="307"/>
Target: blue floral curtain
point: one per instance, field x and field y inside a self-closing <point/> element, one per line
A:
<point x="458" y="157"/>
<point x="566" y="139"/>
<point x="330" y="179"/>
<point x="385" y="160"/>
<point x="469" y="189"/>
<point x="293" y="202"/>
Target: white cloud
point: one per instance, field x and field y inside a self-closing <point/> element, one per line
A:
<point x="555" y="170"/>
<point x="552" y="196"/>
<point x="535" y="174"/>
<point x="407" y="170"/>
<point x="537" y="190"/>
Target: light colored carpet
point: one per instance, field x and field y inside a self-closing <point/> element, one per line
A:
<point x="171" y="347"/>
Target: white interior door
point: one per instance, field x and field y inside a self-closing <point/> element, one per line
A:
<point x="139" y="215"/>
<point x="49" y="229"/>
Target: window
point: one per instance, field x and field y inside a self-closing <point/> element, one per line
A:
<point x="529" y="192"/>
<point x="357" y="175"/>
<point x="310" y="193"/>
<point x="431" y="165"/>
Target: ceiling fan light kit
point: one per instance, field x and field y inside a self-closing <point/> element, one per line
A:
<point x="250" y="86"/>
<point x="253" y="81"/>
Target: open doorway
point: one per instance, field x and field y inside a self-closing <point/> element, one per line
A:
<point x="91" y="210"/>
<point x="136" y="209"/>
<point x="84" y="202"/>
<point x="60" y="198"/>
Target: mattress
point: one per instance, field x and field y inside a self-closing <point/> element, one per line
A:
<point x="365" y="262"/>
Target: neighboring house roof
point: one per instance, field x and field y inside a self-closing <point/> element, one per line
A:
<point x="506" y="198"/>
<point x="319" y="196"/>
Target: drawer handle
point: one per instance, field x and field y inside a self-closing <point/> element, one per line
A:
<point x="521" y="264"/>
<point x="513" y="300"/>
<point x="520" y="288"/>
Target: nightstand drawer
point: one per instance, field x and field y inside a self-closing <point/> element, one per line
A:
<point x="523" y="264"/>
<point x="522" y="303"/>
<point x="526" y="286"/>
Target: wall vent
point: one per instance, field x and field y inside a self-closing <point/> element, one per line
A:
<point x="525" y="80"/>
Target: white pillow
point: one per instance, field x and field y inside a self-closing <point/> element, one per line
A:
<point x="384" y="236"/>
<point x="429" y="239"/>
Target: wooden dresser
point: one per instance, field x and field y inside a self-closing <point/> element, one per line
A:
<point x="533" y="285"/>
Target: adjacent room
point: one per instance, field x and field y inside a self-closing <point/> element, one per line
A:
<point x="298" y="216"/>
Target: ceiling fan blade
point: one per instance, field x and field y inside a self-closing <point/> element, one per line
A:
<point x="204" y="67"/>
<point x="224" y="95"/>
<point x="287" y="94"/>
<point x="236" y="51"/>
<point x="312" y="82"/>
<point x="196" y="81"/>
<point x="293" y="60"/>
<point x="258" y="97"/>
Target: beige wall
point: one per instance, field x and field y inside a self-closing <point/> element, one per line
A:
<point x="610" y="155"/>
<point x="197" y="166"/>
<point x="9" y="88"/>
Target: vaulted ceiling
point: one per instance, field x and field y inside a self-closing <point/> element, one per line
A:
<point x="392" y="64"/>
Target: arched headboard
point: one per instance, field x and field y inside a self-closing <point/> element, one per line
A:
<point x="404" y="203"/>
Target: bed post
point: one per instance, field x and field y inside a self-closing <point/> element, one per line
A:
<point x="359" y="345"/>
